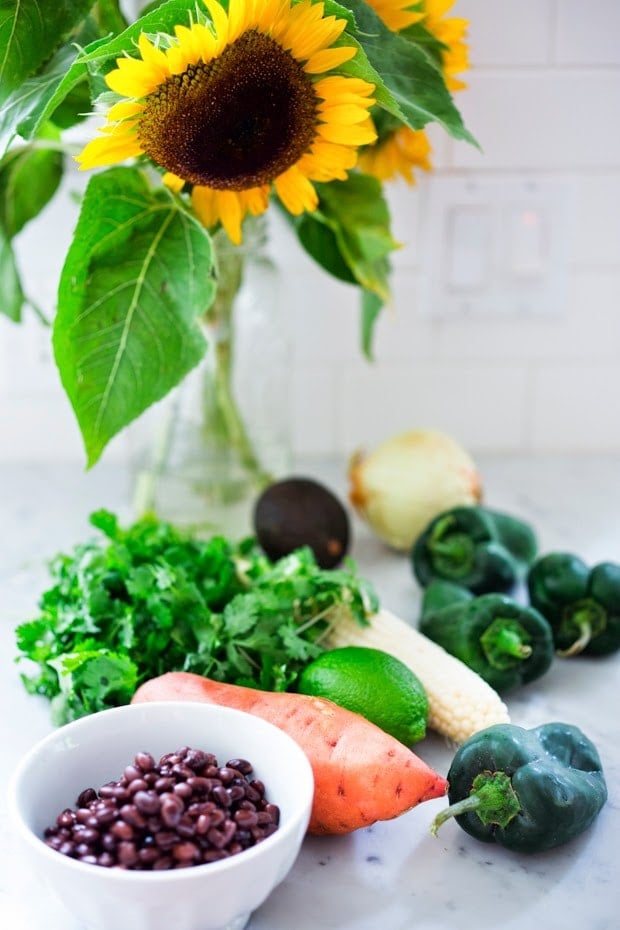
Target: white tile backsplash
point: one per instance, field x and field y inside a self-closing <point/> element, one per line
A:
<point x="588" y="34"/>
<point x="542" y="120"/>
<point x="542" y="100"/>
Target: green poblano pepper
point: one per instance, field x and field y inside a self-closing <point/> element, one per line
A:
<point x="506" y="643"/>
<point x="481" y="549"/>
<point x="527" y="790"/>
<point x="582" y="604"/>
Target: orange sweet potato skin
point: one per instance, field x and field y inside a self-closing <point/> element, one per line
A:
<point x="361" y="774"/>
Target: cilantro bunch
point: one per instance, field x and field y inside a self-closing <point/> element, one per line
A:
<point x="149" y="599"/>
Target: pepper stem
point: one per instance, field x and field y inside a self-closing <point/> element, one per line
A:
<point x="505" y="643"/>
<point x="492" y="798"/>
<point x="451" y="550"/>
<point x="579" y="644"/>
<point x="455" y="810"/>
<point x="581" y="622"/>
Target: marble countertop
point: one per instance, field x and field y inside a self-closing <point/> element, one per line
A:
<point x="393" y="875"/>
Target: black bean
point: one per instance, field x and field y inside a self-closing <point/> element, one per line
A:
<point x="164" y="784"/>
<point x="199" y="784"/>
<point x="171" y="809"/>
<point x="242" y="765"/>
<point x="148" y="854"/>
<point x="183" y="811"/>
<point x="122" y="830"/>
<point x="130" y="814"/>
<point x="246" y="819"/>
<point x="66" y="818"/>
<point x="220" y="794"/>
<point x="88" y="795"/>
<point x="183" y="852"/>
<point x="274" y="810"/>
<point x="164" y="862"/>
<point x="166" y="839"/>
<point x="197" y="759"/>
<point x="127" y="853"/>
<point x="147" y="802"/>
<point x="203" y="824"/>
<point x="144" y="761"/>
<point x="131" y="772"/>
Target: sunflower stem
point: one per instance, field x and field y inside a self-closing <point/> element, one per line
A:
<point x="223" y="420"/>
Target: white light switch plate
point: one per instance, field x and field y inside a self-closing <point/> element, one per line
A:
<point x="495" y="246"/>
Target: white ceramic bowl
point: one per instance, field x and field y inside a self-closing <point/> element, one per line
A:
<point x="94" y="750"/>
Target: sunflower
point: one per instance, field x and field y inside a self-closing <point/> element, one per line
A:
<point x="451" y="32"/>
<point x="239" y="104"/>
<point x="397" y="14"/>
<point x="398" y="153"/>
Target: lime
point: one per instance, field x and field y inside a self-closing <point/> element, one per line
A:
<point x="374" y="684"/>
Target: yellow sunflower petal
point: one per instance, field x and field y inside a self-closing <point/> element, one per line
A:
<point x="220" y="24"/>
<point x="395" y="14"/>
<point x="257" y="200"/>
<point x="153" y="56"/>
<point x="173" y="182"/>
<point x="205" y="206"/>
<point x="306" y="31"/>
<point x="239" y="13"/>
<point x="329" y="58"/>
<point x="344" y="113"/>
<point x="398" y="154"/>
<point x="108" y="150"/>
<point x="327" y="161"/>
<point x="344" y="92"/>
<point x="363" y="134"/>
<point x="133" y="78"/>
<point x="231" y="212"/>
<point x="188" y="51"/>
<point x="124" y="109"/>
<point x="296" y="192"/>
<point x="339" y="88"/>
<point x="226" y="207"/>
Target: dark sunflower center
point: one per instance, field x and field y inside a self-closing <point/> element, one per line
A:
<point x="235" y="122"/>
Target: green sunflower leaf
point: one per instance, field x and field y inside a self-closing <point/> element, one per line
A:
<point x="37" y="98"/>
<point x="29" y="178"/>
<point x="30" y="32"/>
<point x="372" y="306"/>
<point x="11" y="294"/>
<point x="319" y="240"/>
<point x="408" y="83"/>
<point x="359" y="218"/>
<point x="161" y="19"/>
<point x="137" y="275"/>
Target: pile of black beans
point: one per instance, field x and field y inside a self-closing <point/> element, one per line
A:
<point x="182" y="811"/>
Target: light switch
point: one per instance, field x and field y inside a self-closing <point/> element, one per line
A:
<point x="469" y="245"/>
<point x="495" y="246"/>
<point x="527" y="242"/>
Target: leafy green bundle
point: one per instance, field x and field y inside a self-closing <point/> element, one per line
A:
<point x="149" y="599"/>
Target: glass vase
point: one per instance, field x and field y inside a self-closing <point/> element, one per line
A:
<point x="223" y="434"/>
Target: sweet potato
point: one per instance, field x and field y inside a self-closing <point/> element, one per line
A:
<point x="361" y="774"/>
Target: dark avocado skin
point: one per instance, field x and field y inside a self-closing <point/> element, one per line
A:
<point x="298" y="512"/>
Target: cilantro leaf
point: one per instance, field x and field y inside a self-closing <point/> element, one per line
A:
<point x="143" y="600"/>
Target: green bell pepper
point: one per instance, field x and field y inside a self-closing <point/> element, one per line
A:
<point x="582" y="604"/>
<point x="478" y="548"/>
<point x="505" y="643"/>
<point x="527" y="790"/>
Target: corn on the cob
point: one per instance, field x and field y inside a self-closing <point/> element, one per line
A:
<point x="460" y="702"/>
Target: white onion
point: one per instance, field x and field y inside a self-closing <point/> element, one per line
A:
<point x="409" y="479"/>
